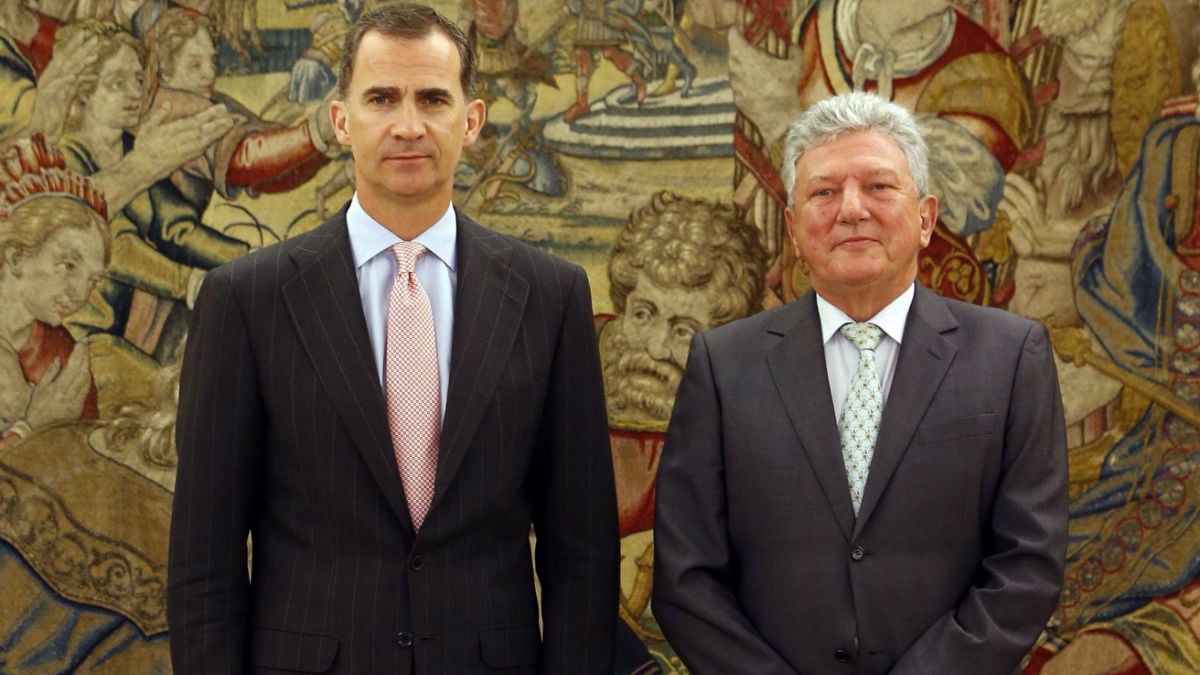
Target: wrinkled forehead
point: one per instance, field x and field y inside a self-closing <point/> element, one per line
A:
<point x="858" y="150"/>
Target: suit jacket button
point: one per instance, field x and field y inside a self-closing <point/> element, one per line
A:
<point x="857" y="553"/>
<point x="405" y="639"/>
<point x="842" y="655"/>
<point x="417" y="563"/>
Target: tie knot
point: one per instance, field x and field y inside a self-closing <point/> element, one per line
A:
<point x="865" y="336"/>
<point x="406" y="253"/>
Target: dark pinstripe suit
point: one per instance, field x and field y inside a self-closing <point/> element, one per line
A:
<point x="283" y="433"/>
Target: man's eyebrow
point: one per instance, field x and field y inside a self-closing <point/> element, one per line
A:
<point x="435" y="91"/>
<point x="880" y="172"/>
<point x="389" y="92"/>
<point x="395" y="93"/>
<point x="884" y="173"/>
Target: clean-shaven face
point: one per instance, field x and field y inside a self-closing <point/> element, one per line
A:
<point x="406" y="119"/>
<point x="857" y="221"/>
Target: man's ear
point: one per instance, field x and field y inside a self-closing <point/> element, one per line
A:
<point x="339" y="117"/>
<point x="476" y="116"/>
<point x="927" y="210"/>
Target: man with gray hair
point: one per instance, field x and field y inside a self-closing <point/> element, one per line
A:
<point x="872" y="479"/>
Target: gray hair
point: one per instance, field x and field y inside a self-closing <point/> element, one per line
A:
<point x="856" y="111"/>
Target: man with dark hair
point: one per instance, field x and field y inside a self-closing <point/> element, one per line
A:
<point x="873" y="478"/>
<point x="387" y="404"/>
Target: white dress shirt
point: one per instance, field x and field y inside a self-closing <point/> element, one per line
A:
<point x="375" y="265"/>
<point x="841" y="356"/>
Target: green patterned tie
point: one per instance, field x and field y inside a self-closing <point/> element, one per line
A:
<point x="859" y="425"/>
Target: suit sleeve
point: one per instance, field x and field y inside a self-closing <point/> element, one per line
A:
<point x="575" y="506"/>
<point x="1020" y="577"/>
<point x="220" y="437"/>
<point x="694" y="600"/>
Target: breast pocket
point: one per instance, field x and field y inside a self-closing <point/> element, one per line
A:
<point x="962" y="430"/>
<point x="945" y="476"/>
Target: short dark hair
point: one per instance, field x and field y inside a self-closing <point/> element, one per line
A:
<point x="408" y="21"/>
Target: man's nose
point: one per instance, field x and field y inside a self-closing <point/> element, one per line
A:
<point x="852" y="208"/>
<point x="407" y="123"/>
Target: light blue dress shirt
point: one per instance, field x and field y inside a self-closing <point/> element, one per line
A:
<point x="375" y="265"/>
<point x="841" y="356"/>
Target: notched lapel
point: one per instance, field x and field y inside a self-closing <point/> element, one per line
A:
<point x="796" y="363"/>
<point x="928" y="350"/>
<point x="327" y="313"/>
<point x="488" y="305"/>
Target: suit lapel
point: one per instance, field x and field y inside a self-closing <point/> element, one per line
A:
<point x="926" y="354"/>
<point x="489" y="303"/>
<point x="327" y="313"/>
<point x="797" y="365"/>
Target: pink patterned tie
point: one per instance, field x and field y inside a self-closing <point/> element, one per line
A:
<point x="412" y="382"/>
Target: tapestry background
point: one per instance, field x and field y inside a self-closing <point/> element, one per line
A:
<point x="641" y="139"/>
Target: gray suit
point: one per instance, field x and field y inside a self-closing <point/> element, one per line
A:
<point x="283" y="433"/>
<point x="955" y="560"/>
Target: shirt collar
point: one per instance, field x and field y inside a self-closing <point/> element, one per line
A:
<point x="368" y="238"/>
<point x="891" y="318"/>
